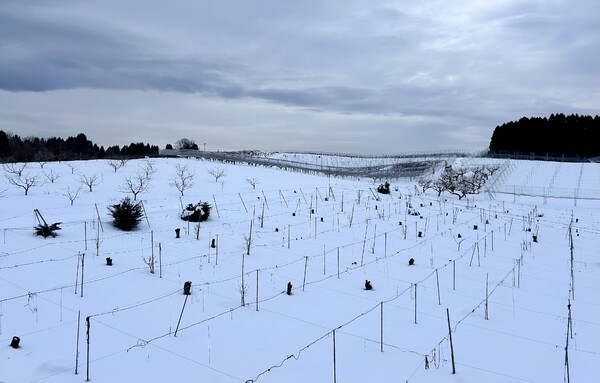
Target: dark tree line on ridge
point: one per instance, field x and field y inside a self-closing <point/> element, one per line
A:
<point x="556" y="136"/>
<point x="16" y="149"/>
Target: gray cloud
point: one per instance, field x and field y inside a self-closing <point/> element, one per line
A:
<point x="448" y="68"/>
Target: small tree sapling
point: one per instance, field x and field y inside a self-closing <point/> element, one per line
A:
<point x="135" y="184"/>
<point x="51" y="176"/>
<point x="72" y="194"/>
<point x="184" y="178"/>
<point x="253" y="182"/>
<point x="217" y="173"/>
<point x="89" y="181"/>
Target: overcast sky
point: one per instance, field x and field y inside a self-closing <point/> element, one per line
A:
<point x="339" y="76"/>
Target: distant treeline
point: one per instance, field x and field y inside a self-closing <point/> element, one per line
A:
<point x="556" y="136"/>
<point x="16" y="149"/>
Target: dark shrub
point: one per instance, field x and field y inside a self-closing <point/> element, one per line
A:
<point x="126" y="215"/>
<point x="47" y="230"/>
<point x="384" y="188"/>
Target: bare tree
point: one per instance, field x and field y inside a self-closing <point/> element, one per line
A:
<point x="253" y="182"/>
<point x="217" y="173"/>
<point x="115" y="164"/>
<point x="42" y="163"/>
<point x="185" y="143"/>
<point x="135" y="184"/>
<point x="16" y="169"/>
<point x="89" y="181"/>
<point x="148" y="168"/>
<point x="425" y="183"/>
<point x="24" y="181"/>
<point x="42" y="158"/>
<point x="462" y="181"/>
<point x="443" y="183"/>
<point x="72" y="167"/>
<point x="51" y="176"/>
<point x="184" y="178"/>
<point x="72" y="194"/>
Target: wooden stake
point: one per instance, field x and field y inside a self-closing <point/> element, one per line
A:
<point x="145" y="215"/>
<point x="486" y="295"/>
<point x="338" y="263"/>
<point x="216" y="207"/>
<point x="437" y="278"/>
<point x="87" y="322"/>
<point x="267" y="202"/>
<point x="568" y="375"/>
<point x="99" y="221"/>
<point x="283" y="198"/>
<point x="256" y="289"/>
<point x="415" y="303"/>
<point x="181" y="315"/>
<point x="305" y="265"/>
<point x="77" y="274"/>
<point x="243" y="203"/>
<point x="82" y="264"/>
<point x="334" y="365"/>
<point x="159" y="260"/>
<point x="385" y="245"/>
<point x="77" y="346"/>
<point x="381" y="341"/>
<point x="454" y="274"/>
<point x="451" y="345"/>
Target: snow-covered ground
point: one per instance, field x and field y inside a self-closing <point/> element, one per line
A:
<point x="325" y="236"/>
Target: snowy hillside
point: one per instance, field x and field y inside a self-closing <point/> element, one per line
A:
<point x="324" y="235"/>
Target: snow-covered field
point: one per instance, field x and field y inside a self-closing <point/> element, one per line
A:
<point x="324" y="235"/>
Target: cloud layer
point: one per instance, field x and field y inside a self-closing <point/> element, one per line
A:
<point x="449" y="72"/>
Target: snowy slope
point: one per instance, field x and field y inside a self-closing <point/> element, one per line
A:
<point x="324" y="235"/>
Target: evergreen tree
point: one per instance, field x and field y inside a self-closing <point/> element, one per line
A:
<point x="126" y="215"/>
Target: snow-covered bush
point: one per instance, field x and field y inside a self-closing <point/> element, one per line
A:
<point x="196" y="212"/>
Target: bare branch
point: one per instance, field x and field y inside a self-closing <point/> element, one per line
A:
<point x="135" y="185"/>
<point x="147" y="167"/>
<point x="51" y="176"/>
<point x="253" y="182"/>
<point x="89" y="181"/>
<point x="184" y="178"/>
<point x="217" y="173"/>
<point x="16" y="169"/>
<point x="115" y="164"/>
<point x="72" y="167"/>
<point x="72" y="194"/>
<point x="24" y="182"/>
